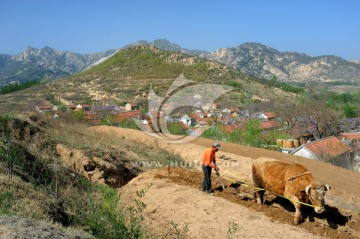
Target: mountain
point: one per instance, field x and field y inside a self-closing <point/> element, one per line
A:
<point x="45" y="63"/>
<point x="127" y="75"/>
<point x="251" y="58"/>
<point x="264" y="61"/>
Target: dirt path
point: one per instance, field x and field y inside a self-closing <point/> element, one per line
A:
<point x="343" y="199"/>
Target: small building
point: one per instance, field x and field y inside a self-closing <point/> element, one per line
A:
<point x="351" y="137"/>
<point x="122" y="116"/>
<point x="71" y="107"/>
<point x="267" y="116"/>
<point x="131" y="106"/>
<point x="268" y="125"/>
<point x="330" y="149"/>
<point x="85" y="107"/>
<point x="185" y="119"/>
<point x="202" y="123"/>
<point x="43" y="108"/>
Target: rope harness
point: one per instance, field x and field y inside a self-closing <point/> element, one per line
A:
<point x="264" y="189"/>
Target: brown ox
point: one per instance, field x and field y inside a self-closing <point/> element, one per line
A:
<point x="293" y="181"/>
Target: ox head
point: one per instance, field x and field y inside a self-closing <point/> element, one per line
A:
<point x="316" y="193"/>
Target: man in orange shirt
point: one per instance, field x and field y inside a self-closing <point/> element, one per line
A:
<point x="208" y="163"/>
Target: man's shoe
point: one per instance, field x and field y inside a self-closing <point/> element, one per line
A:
<point x="210" y="193"/>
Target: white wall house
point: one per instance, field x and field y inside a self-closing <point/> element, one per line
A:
<point x="304" y="152"/>
<point x="185" y="119"/>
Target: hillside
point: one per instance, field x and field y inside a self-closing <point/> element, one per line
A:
<point x="90" y="178"/>
<point x="183" y="203"/>
<point x="126" y="77"/>
<point x="59" y="180"/>
<point x="45" y="63"/>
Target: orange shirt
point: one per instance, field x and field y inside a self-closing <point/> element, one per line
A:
<point x="209" y="157"/>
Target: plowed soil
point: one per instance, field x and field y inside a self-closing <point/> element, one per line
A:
<point x="175" y="195"/>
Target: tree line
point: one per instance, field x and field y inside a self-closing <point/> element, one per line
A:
<point x="12" y="87"/>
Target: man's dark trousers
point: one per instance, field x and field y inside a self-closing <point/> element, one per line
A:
<point x="206" y="186"/>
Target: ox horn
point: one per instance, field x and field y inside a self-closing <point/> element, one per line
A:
<point x="327" y="187"/>
<point x="307" y="190"/>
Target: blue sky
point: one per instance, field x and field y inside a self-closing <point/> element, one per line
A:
<point x="314" y="27"/>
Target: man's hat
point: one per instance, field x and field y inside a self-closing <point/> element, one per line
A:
<point x="216" y="145"/>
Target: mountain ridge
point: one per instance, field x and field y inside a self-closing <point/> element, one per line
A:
<point x="251" y="58"/>
<point x="44" y="63"/>
<point x="264" y="61"/>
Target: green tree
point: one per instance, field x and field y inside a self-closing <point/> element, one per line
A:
<point x="128" y="123"/>
<point x="350" y="111"/>
<point x="175" y="128"/>
<point x="16" y="87"/>
<point x="77" y="115"/>
<point x="108" y="120"/>
<point x="252" y="133"/>
<point x="63" y="108"/>
<point x="215" y="132"/>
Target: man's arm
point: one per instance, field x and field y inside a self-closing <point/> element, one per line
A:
<point x="214" y="164"/>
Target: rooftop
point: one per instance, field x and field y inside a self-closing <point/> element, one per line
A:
<point x="329" y="147"/>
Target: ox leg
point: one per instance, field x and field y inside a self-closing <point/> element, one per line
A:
<point x="259" y="195"/>
<point x="297" y="210"/>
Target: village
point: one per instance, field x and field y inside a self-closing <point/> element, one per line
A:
<point x="341" y="150"/>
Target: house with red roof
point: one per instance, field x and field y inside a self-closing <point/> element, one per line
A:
<point x="267" y="116"/>
<point x="183" y="126"/>
<point x="43" y="108"/>
<point x="202" y="123"/>
<point x="268" y="125"/>
<point x="120" y="117"/>
<point x="329" y="149"/>
<point x="353" y="138"/>
<point x="185" y="119"/>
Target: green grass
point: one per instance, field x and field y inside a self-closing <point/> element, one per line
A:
<point x="6" y="202"/>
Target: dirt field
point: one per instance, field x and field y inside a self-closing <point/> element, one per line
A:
<point x="175" y="195"/>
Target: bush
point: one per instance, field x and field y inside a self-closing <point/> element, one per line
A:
<point x="102" y="217"/>
<point x="128" y="123"/>
<point x="6" y="202"/>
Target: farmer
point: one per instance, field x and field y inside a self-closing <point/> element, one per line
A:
<point x="208" y="163"/>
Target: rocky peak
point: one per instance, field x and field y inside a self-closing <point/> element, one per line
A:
<point x="35" y="63"/>
<point x="166" y="45"/>
<point x="264" y="61"/>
